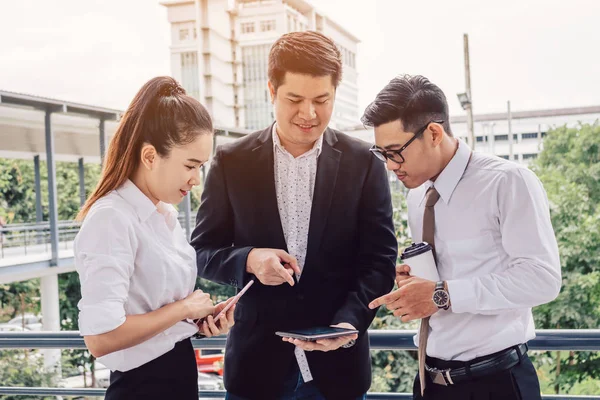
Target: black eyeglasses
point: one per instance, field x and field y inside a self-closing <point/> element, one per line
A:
<point x="396" y="155"/>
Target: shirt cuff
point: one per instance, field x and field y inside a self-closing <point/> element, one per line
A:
<point x="463" y="298"/>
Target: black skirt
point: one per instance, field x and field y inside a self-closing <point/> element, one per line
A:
<point x="173" y="375"/>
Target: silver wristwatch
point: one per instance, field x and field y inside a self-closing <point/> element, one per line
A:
<point x="441" y="297"/>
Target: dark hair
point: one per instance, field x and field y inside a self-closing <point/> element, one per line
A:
<point x="309" y="53"/>
<point x="413" y="100"/>
<point x="161" y="114"/>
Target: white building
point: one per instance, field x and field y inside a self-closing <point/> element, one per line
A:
<point x="528" y="129"/>
<point x="231" y="79"/>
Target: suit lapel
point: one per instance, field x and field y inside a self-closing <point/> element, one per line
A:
<point x="267" y="210"/>
<point x="327" y="173"/>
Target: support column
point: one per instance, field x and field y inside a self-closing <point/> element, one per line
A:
<point x="102" y="140"/>
<point x="50" y="320"/>
<point x="39" y="216"/>
<point x="187" y="205"/>
<point x="52" y="199"/>
<point x="82" y="195"/>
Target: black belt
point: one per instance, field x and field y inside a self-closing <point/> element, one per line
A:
<point x="496" y="363"/>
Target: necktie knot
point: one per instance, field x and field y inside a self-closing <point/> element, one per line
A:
<point x="431" y="197"/>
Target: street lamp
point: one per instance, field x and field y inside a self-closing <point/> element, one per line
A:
<point x="465" y="103"/>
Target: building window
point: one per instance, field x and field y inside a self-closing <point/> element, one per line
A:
<point x="184" y="35"/>
<point x="247" y="27"/>
<point x="189" y="74"/>
<point x="504" y="156"/>
<point x="348" y="57"/>
<point x="481" y="139"/>
<point x="256" y="99"/>
<point x="500" y="138"/>
<point x="529" y="156"/>
<point x="266" y="26"/>
<point x="529" y="136"/>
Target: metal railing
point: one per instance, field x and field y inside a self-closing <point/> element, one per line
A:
<point x="578" y="340"/>
<point x="34" y="238"/>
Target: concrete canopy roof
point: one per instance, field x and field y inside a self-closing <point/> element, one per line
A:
<point x="76" y="127"/>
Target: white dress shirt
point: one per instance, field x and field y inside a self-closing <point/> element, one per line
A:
<point x="132" y="258"/>
<point x="295" y="186"/>
<point x="496" y="248"/>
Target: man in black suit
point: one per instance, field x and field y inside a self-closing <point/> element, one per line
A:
<point x="298" y="200"/>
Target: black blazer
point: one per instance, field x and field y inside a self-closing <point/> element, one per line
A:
<point x="350" y="261"/>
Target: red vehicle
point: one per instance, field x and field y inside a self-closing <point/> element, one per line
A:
<point x="210" y="361"/>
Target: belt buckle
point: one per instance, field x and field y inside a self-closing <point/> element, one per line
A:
<point x="440" y="376"/>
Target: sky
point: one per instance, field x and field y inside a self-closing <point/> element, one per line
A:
<point x="538" y="54"/>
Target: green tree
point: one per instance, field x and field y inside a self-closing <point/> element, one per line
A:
<point x="569" y="168"/>
<point x="394" y="371"/>
<point x="17" y="205"/>
<point x="19" y="297"/>
<point x="17" y="189"/>
<point x="18" y="368"/>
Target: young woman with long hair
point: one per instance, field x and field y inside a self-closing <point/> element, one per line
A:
<point x="136" y="268"/>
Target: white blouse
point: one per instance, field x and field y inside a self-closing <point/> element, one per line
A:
<point x="132" y="258"/>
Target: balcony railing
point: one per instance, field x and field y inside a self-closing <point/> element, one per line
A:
<point x="34" y="238"/>
<point x="577" y="340"/>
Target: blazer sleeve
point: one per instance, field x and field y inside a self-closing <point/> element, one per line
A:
<point x="378" y="249"/>
<point x="218" y="260"/>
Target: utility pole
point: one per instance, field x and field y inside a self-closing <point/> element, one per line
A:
<point x="468" y="88"/>
<point x="510" y="134"/>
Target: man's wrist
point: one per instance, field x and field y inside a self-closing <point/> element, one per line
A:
<point x="249" y="262"/>
<point x="441" y="297"/>
<point x="447" y="291"/>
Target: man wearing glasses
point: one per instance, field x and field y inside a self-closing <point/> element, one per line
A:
<point x="488" y="222"/>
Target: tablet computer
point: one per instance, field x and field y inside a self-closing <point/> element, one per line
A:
<point x="314" y="334"/>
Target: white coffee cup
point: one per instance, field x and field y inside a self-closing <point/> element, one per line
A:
<point x="419" y="257"/>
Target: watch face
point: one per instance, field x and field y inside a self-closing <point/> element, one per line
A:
<point x="440" y="298"/>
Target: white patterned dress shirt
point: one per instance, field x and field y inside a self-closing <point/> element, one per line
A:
<point x="295" y="186"/>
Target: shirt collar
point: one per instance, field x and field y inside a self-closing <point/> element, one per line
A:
<point x="144" y="207"/>
<point x="317" y="147"/>
<point x="448" y="179"/>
